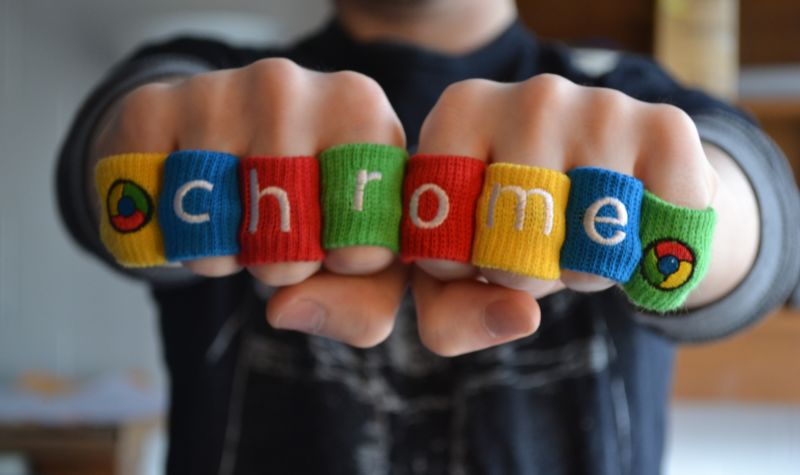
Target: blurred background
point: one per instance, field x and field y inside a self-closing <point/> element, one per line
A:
<point x="81" y="384"/>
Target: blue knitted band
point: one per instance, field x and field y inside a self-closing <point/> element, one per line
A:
<point x="200" y="209"/>
<point x="603" y="223"/>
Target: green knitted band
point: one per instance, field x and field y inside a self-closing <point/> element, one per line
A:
<point x="362" y="187"/>
<point x="676" y="248"/>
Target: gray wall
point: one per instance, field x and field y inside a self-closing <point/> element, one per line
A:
<point x="61" y="310"/>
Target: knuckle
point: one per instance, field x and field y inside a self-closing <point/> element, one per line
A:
<point x="606" y="113"/>
<point x="455" y="108"/>
<point x="274" y="69"/>
<point x="203" y="94"/>
<point x="360" y="93"/>
<point x="273" y="83"/>
<point x="669" y="120"/>
<point x="548" y="85"/>
<point x="204" y="91"/>
<point x="466" y="92"/>
<point x="142" y="101"/>
<point x="139" y="113"/>
<point x="674" y="133"/>
<point x="356" y="81"/>
<point x="545" y="92"/>
<point x="610" y="102"/>
<point x="367" y="107"/>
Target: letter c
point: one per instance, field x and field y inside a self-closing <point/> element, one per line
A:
<point x="177" y="203"/>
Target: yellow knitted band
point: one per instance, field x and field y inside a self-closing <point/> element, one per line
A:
<point x="520" y="220"/>
<point x="128" y="187"/>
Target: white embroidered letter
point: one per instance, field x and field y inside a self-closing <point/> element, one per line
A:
<point x="177" y="203"/>
<point x="442" y="210"/>
<point x="362" y="179"/>
<point x="255" y="198"/>
<point x="522" y="203"/>
<point x="590" y="219"/>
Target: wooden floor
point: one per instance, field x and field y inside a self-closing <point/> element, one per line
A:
<point x="760" y="365"/>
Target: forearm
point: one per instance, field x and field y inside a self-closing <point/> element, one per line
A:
<point x="737" y="233"/>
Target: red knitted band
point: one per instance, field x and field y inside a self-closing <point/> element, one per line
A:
<point x="281" y="219"/>
<point x="439" y="198"/>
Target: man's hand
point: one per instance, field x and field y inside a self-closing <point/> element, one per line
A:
<point x="276" y="108"/>
<point x="550" y="122"/>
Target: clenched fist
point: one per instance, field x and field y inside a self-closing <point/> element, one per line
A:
<point x="276" y="108"/>
<point x="552" y="123"/>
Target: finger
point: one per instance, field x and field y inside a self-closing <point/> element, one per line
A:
<point x="280" y="232"/>
<point x="522" y="207"/>
<point x="672" y="163"/>
<point x="357" y="310"/>
<point x="369" y="118"/>
<point x="464" y="316"/>
<point x="676" y="241"/>
<point x="444" y="135"/>
<point x="210" y="149"/>
<point x="134" y="146"/>
<point x="141" y="122"/>
<point x="607" y="132"/>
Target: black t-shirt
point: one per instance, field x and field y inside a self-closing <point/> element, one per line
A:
<point x="586" y="394"/>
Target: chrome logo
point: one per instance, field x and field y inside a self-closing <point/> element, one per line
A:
<point x="129" y="206"/>
<point x="668" y="264"/>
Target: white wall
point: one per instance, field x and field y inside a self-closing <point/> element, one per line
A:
<point x="61" y="310"/>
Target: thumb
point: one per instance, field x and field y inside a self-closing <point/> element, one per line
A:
<point x="467" y="315"/>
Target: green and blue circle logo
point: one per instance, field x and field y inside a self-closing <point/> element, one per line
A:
<point x="129" y="206"/>
<point x="668" y="264"/>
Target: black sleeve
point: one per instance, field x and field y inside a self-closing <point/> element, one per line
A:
<point x="180" y="57"/>
<point x="776" y="270"/>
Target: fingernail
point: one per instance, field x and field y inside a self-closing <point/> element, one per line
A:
<point x="304" y="315"/>
<point x="503" y="319"/>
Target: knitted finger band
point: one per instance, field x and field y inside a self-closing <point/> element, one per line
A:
<point x="199" y="210"/>
<point x="362" y="195"/>
<point x="520" y="220"/>
<point x="676" y="248"/>
<point x="603" y="223"/>
<point x="129" y="186"/>
<point x="281" y="210"/>
<point x="439" y="197"/>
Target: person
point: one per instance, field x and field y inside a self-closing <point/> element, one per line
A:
<point x="571" y="378"/>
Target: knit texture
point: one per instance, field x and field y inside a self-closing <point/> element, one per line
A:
<point x="603" y="223"/>
<point x="439" y="198"/>
<point x="362" y="195"/>
<point x="676" y="246"/>
<point x="281" y="210"/>
<point x="128" y="186"/>
<point x="520" y="220"/>
<point x="199" y="210"/>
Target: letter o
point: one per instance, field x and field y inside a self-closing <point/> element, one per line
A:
<point x="442" y="211"/>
